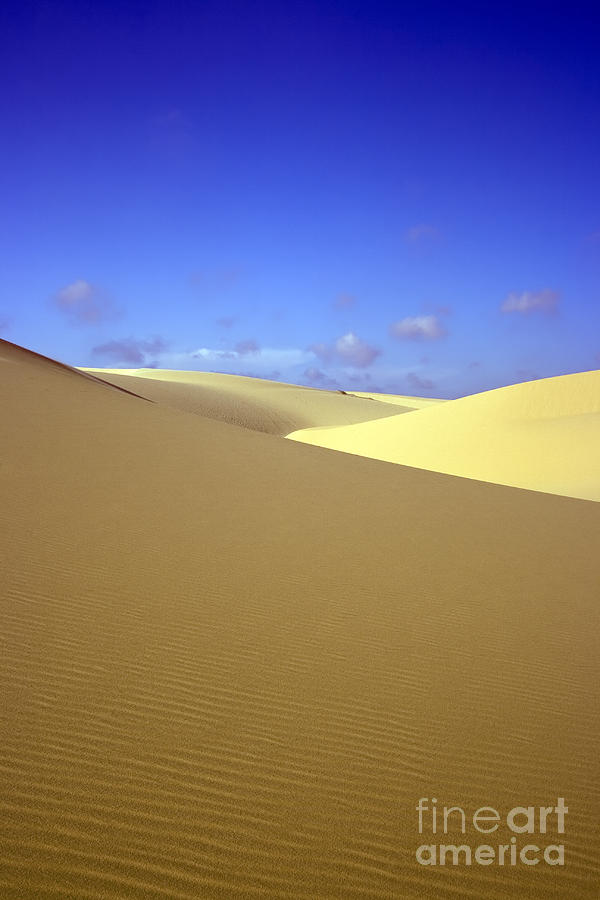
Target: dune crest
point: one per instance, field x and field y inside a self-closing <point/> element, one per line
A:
<point x="541" y="435"/>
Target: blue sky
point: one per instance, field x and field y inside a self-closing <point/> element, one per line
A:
<point x="398" y="196"/>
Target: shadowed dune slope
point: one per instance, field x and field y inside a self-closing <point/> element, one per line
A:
<point x="254" y="403"/>
<point x="231" y="664"/>
<point x="542" y="435"/>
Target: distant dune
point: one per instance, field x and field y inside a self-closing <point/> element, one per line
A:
<point x="232" y="664"/>
<point x="542" y="435"/>
<point x="268" y="406"/>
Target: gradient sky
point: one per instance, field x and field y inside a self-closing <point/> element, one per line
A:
<point x="396" y="196"/>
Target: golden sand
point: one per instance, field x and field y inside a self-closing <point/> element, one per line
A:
<point x="232" y="663"/>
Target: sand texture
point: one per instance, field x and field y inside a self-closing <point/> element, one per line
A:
<point x="541" y="435"/>
<point x="231" y="663"/>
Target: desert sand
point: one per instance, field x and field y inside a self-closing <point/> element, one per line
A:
<point x="542" y="435"/>
<point x="233" y="663"/>
<point x="268" y="406"/>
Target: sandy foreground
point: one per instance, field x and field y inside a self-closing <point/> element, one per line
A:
<point x="232" y="663"/>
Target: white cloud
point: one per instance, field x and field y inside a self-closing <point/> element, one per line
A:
<point x="75" y="294"/>
<point x="351" y="349"/>
<point x="418" y="328"/>
<point x="264" y="359"/>
<point x="545" y="301"/>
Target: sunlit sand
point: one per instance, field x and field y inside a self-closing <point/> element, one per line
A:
<point x="543" y="435"/>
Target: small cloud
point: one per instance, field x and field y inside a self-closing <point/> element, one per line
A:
<point x="419" y="233"/>
<point x="545" y="301"/>
<point x="418" y="383"/>
<point x="5" y="323"/>
<point x="243" y="348"/>
<point x="418" y="328"/>
<point x="84" y="303"/>
<point x="474" y="364"/>
<point x="344" y="301"/>
<point x="351" y="349"/>
<point x="130" y="350"/>
<point x="267" y="358"/>
<point x="209" y="354"/>
<point x="225" y="321"/>
<point x="594" y="237"/>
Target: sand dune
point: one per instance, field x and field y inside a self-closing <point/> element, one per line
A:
<point x="232" y="663"/>
<point x="542" y="435"/>
<point x="254" y="403"/>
